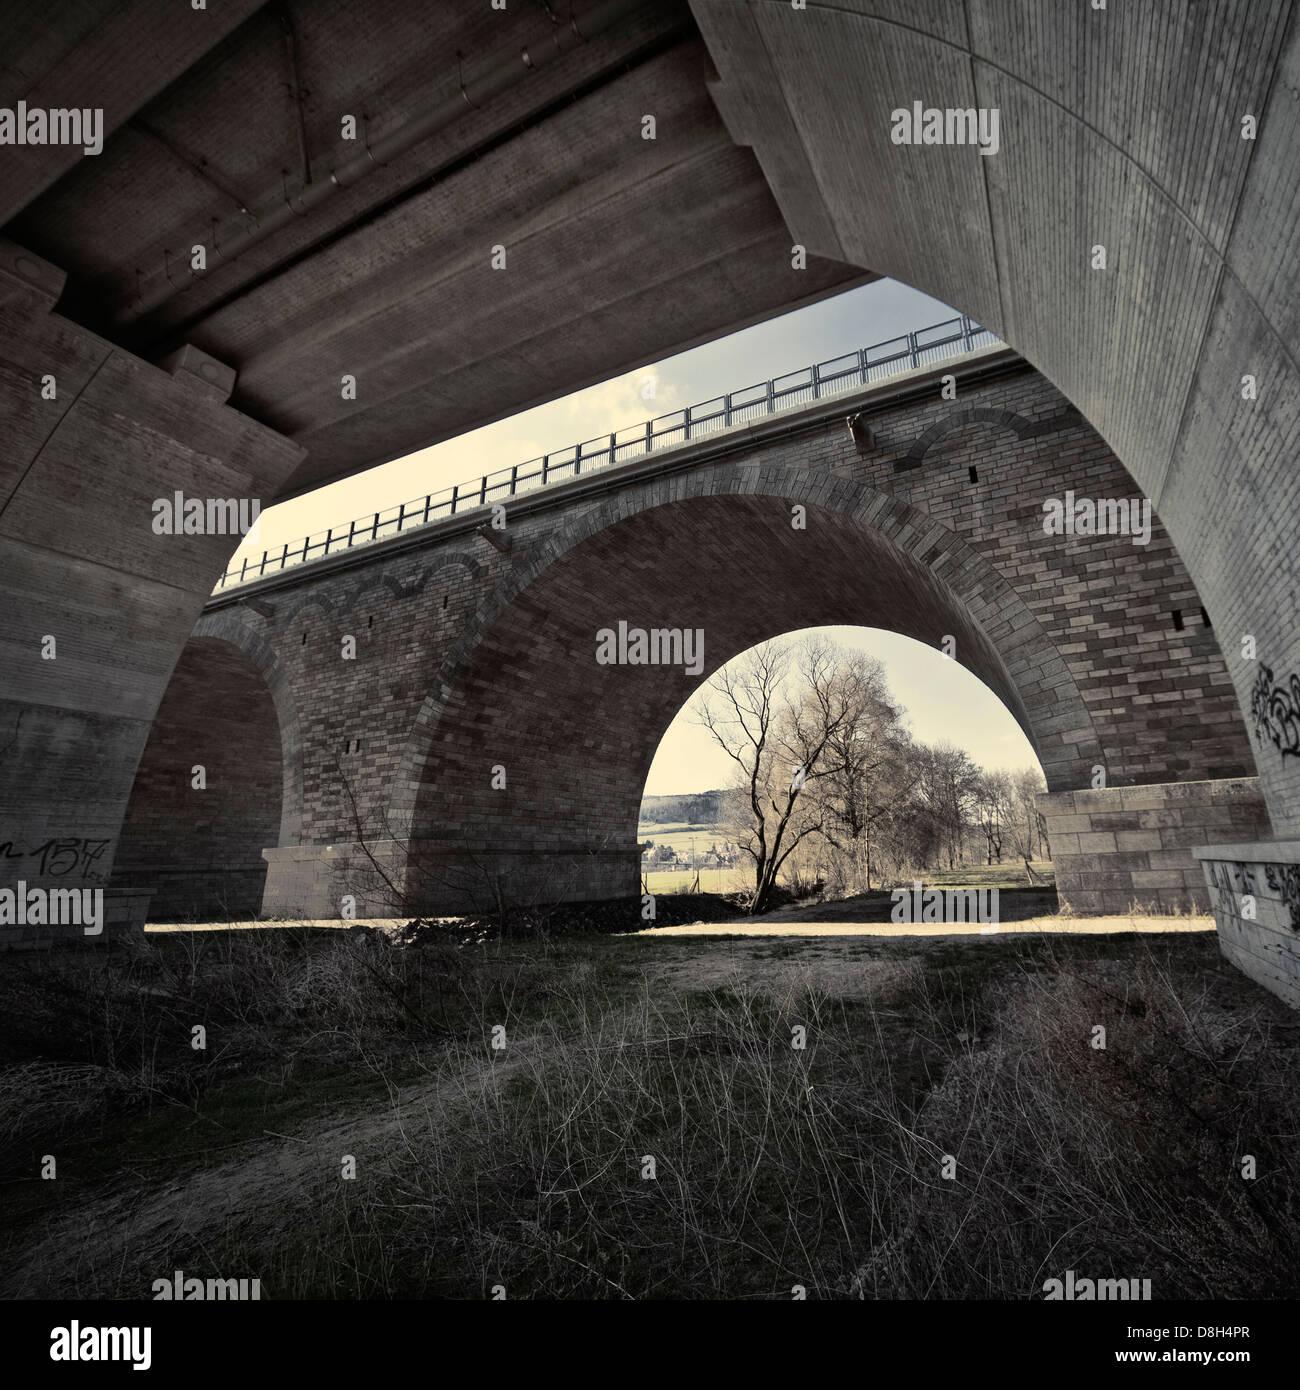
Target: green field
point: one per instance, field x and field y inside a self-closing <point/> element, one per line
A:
<point x="711" y="881"/>
<point x="681" y="837"/>
<point x="678" y="836"/>
<point x="1009" y="874"/>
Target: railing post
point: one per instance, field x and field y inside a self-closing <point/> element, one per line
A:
<point x="352" y="530"/>
<point x="428" y="499"/>
<point x="911" y="343"/>
<point x="514" y="478"/>
<point x="649" y="436"/>
<point x="374" y="530"/>
<point x="726" y="411"/>
<point x="546" y="463"/>
<point x="482" y="492"/>
<point x="817" y="381"/>
<point x="401" y="516"/>
<point x="455" y="495"/>
<point x="263" y="569"/>
<point x="688" y="422"/>
<point x="965" y="323"/>
<point x="243" y="572"/>
<point x="329" y="536"/>
<point x="284" y="557"/>
<point x="862" y="364"/>
<point x="771" y="398"/>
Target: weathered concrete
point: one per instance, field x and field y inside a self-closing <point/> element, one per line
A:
<point x="1119" y="128"/>
<point x="1255" y="892"/>
<point x="468" y="658"/>
<point x="96" y="606"/>
<point x="619" y="250"/>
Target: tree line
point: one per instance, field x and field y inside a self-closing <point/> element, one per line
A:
<point x="691" y="808"/>
<point x="829" y="784"/>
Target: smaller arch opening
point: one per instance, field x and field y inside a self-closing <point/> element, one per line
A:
<point x="834" y="761"/>
<point x="207" y="797"/>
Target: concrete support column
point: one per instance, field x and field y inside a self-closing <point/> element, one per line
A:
<point x="1255" y="892"/>
<point x="97" y="605"/>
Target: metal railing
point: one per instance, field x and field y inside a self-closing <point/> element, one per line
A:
<point x="848" y="372"/>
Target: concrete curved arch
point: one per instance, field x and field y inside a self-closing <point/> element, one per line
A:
<point x="1115" y="133"/>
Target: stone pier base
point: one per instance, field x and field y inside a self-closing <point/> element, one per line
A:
<point x="1126" y="847"/>
<point x="125" y="910"/>
<point x="389" y="878"/>
<point x="1255" y="892"/>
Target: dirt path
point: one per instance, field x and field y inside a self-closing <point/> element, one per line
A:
<point x="1066" y="926"/>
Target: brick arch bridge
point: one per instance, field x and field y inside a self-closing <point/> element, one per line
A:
<point x="717" y="552"/>
<point x="476" y="649"/>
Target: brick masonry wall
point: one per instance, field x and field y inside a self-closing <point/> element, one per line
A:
<point x="201" y="850"/>
<point x="1160" y="696"/>
<point x="468" y="658"/>
<point x="124" y="915"/>
<point x="1121" y="847"/>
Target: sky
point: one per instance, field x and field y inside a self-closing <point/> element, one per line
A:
<point x="858" y="318"/>
<point x="943" y="699"/>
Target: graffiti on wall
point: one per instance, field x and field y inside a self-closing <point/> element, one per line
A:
<point x="55" y="858"/>
<point x="1275" y="711"/>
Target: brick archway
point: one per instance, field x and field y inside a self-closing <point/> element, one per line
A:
<point x="714" y="549"/>
<point x="227" y="709"/>
<point x="229" y="626"/>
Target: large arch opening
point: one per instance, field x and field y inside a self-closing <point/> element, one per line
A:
<point x="900" y="720"/>
<point x="208" y="794"/>
<point x="532" y="757"/>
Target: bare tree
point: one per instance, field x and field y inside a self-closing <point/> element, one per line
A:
<point x="779" y="744"/>
<point x="1023" y="826"/>
<point x="948" y="783"/>
<point x="867" y="773"/>
<point x="994" y="804"/>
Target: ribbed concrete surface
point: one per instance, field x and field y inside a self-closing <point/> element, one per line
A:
<point x="1118" y="127"/>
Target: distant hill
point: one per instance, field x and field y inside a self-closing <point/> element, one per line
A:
<point x="696" y="808"/>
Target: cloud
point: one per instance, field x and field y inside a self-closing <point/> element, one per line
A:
<point x="626" y="400"/>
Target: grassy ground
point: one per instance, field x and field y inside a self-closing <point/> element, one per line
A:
<point x="649" y="1128"/>
<point x="711" y="881"/>
<point x="1009" y="874"/>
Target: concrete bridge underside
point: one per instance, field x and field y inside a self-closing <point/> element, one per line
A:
<point x="1120" y="128"/>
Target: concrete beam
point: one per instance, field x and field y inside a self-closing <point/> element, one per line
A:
<point x="104" y="54"/>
